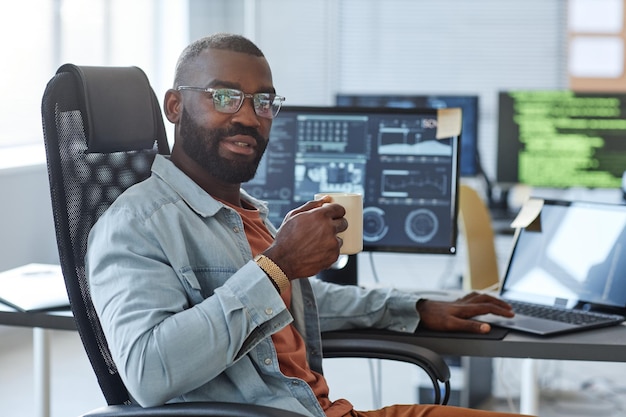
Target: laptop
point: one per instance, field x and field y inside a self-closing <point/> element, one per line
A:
<point x="572" y="259"/>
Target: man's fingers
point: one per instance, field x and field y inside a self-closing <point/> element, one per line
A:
<point x="480" y="298"/>
<point x="479" y="327"/>
<point x="309" y="205"/>
<point x="471" y="326"/>
<point x="484" y="308"/>
<point x="341" y="225"/>
<point x="334" y="210"/>
<point x="324" y="199"/>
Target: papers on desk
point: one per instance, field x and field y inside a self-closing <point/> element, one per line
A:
<point x="33" y="287"/>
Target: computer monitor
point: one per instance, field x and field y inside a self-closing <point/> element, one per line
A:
<point x="561" y="139"/>
<point x="469" y="155"/>
<point x="407" y="176"/>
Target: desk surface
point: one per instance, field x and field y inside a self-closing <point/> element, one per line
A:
<point x="606" y="344"/>
<point x="57" y="320"/>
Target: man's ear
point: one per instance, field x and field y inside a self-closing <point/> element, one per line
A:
<point x="173" y="105"/>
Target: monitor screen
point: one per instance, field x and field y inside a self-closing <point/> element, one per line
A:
<point x="561" y="139"/>
<point x="407" y="177"/>
<point x="469" y="162"/>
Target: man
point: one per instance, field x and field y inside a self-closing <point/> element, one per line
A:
<point x="199" y="296"/>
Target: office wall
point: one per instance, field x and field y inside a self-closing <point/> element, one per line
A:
<point x="26" y="225"/>
<point x="596" y="39"/>
<point x="319" y="48"/>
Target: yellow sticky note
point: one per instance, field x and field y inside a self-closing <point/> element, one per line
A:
<point x="449" y="122"/>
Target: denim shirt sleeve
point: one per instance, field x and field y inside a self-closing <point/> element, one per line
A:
<point x="165" y="336"/>
<point x="345" y="307"/>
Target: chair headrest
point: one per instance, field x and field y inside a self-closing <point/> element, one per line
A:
<point x="119" y="106"/>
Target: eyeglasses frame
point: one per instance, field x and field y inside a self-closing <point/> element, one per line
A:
<point x="211" y="91"/>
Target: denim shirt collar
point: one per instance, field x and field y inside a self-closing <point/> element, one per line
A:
<point x="194" y="196"/>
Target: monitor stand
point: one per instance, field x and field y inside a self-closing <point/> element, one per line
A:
<point x="343" y="272"/>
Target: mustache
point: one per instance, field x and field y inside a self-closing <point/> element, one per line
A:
<point x="246" y="131"/>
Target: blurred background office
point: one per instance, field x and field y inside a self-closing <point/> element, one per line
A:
<point x="317" y="49"/>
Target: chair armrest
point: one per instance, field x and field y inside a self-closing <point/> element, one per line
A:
<point x="197" y="409"/>
<point x="383" y="344"/>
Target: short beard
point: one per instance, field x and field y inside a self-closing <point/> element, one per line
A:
<point x="202" y="145"/>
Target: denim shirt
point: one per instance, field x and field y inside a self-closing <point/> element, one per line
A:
<point x="188" y="315"/>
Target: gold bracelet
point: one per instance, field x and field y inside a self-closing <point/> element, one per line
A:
<point x="273" y="271"/>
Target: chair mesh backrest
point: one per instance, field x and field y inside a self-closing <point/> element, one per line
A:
<point x="82" y="186"/>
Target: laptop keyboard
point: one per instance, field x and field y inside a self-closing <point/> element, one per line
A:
<point x="561" y="314"/>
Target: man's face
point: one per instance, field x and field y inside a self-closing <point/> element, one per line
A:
<point x="226" y="146"/>
<point x="202" y="144"/>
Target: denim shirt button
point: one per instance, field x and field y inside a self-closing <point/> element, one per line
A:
<point x="268" y="361"/>
<point x="269" y="311"/>
<point x="403" y="328"/>
<point x="236" y="229"/>
<point x="295" y="382"/>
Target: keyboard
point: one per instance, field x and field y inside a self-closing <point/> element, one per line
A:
<point x="563" y="315"/>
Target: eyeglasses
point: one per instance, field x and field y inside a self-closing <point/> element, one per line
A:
<point x="229" y="100"/>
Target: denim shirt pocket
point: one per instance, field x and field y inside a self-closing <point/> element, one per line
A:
<point x="191" y="285"/>
<point x="200" y="283"/>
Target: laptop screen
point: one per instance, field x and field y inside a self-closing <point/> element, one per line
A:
<point x="574" y="255"/>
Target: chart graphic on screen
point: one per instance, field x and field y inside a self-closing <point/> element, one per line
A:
<point x="407" y="175"/>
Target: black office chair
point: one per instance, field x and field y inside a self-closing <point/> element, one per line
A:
<point x="102" y="128"/>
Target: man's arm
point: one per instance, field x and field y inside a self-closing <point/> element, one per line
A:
<point x="347" y="306"/>
<point x="344" y="307"/>
<point x="165" y="337"/>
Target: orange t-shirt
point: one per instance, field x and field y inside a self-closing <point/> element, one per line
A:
<point x="289" y="343"/>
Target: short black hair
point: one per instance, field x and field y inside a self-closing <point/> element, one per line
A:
<point x="224" y="41"/>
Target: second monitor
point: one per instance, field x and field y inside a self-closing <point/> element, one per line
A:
<point x="407" y="175"/>
<point x="561" y="138"/>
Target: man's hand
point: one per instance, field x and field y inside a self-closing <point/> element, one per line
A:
<point x="307" y="241"/>
<point x="456" y="315"/>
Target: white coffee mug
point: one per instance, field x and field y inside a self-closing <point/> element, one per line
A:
<point x="353" y="236"/>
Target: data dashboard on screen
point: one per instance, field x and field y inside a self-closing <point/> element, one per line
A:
<point x="469" y="160"/>
<point x="407" y="176"/>
<point x="561" y="139"/>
